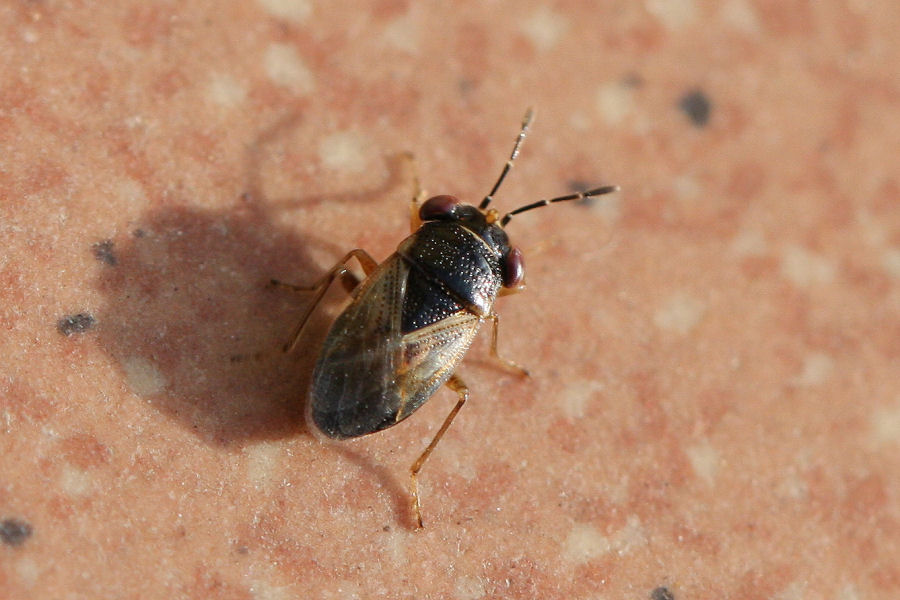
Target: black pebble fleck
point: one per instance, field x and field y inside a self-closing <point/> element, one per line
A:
<point x="579" y="185"/>
<point x="105" y="252"/>
<point x="662" y="593"/>
<point x="696" y="106"/>
<point x="14" y="532"/>
<point x="75" y="323"/>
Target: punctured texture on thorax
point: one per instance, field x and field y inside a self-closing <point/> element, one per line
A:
<point x="456" y="259"/>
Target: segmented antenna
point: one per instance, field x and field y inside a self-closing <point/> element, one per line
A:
<point x="606" y="189"/>
<point x="526" y="123"/>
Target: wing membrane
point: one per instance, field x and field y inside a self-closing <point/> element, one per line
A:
<point x="369" y="375"/>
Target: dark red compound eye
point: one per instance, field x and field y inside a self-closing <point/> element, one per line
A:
<point x="438" y="207"/>
<point x="513" y="268"/>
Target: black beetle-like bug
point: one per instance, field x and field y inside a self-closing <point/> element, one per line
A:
<point x="411" y="320"/>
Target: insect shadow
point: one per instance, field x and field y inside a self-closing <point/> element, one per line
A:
<point x="189" y="319"/>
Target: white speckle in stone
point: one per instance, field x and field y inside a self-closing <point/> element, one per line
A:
<point x="576" y="396"/>
<point x="740" y="15"/>
<point x="873" y="230"/>
<point x="26" y="568"/>
<point x="403" y="34"/>
<point x="890" y="260"/>
<point x="225" y="91"/>
<point x="849" y="592"/>
<point x="130" y="192"/>
<point x="687" y="187"/>
<point x="395" y="547"/>
<point x="75" y="481"/>
<point x="579" y="121"/>
<point x="263" y="460"/>
<point x="584" y="543"/>
<point x="704" y="461"/>
<point x="615" y="101"/>
<point x="673" y="14"/>
<point x="617" y="492"/>
<point x="749" y="243"/>
<point x="816" y="368"/>
<point x="469" y="588"/>
<point x="464" y="468"/>
<point x="348" y="590"/>
<point x="295" y="11"/>
<point x="804" y="268"/>
<point x="544" y="27"/>
<point x="343" y="151"/>
<point x="263" y="590"/>
<point x="680" y="314"/>
<point x="285" y="68"/>
<point x="142" y="376"/>
<point x="792" y="487"/>
<point x="631" y="536"/>
<point x="886" y="425"/>
<point x="796" y="590"/>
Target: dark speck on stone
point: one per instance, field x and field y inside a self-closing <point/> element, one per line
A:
<point x="75" y="323"/>
<point x="578" y="185"/>
<point x="14" y="532"/>
<point x="105" y="252"/>
<point x="633" y="80"/>
<point x="696" y="106"/>
<point x="662" y="593"/>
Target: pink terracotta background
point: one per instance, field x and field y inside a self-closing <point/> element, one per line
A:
<point x="714" y="406"/>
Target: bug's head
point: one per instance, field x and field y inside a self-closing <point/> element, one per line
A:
<point x="483" y="223"/>
<point x="487" y="223"/>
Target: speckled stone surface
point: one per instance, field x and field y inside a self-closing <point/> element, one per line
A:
<point x="714" y="407"/>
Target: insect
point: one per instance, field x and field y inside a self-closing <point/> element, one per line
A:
<point x="413" y="317"/>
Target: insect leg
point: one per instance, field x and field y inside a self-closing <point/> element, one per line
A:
<point x="348" y="279"/>
<point x="289" y="286"/>
<point x="506" y="362"/>
<point x="339" y="270"/>
<point x="509" y="291"/>
<point x="456" y="384"/>
<point x="418" y="193"/>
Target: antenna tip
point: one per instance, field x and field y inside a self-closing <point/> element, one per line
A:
<point x="529" y="116"/>
<point x="606" y="189"/>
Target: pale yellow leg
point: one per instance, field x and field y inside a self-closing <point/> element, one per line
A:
<point x="506" y="362"/>
<point x="418" y="193"/>
<point x="320" y="287"/>
<point x="456" y="384"/>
